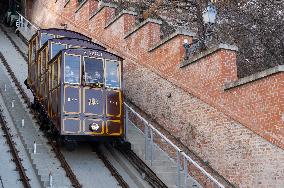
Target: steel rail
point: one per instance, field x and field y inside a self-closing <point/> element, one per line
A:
<point x="141" y="167"/>
<point x="110" y="167"/>
<point x="69" y="173"/>
<point x="14" y="151"/>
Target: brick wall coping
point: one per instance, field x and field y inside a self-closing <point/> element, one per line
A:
<point x="203" y="54"/>
<point x="102" y="6"/>
<point x="148" y="20"/>
<point x="80" y="6"/>
<point x="67" y="2"/>
<point x="170" y="37"/>
<point x="119" y="15"/>
<point x="254" y="77"/>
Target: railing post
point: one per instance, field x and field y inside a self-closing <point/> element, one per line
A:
<point x="146" y="141"/>
<point x="185" y="169"/>
<point x="22" y="21"/>
<point x="178" y="169"/>
<point x="126" y="123"/>
<point x="50" y="180"/>
<point x="13" y="103"/>
<point x="26" y="25"/>
<point x="23" y="122"/>
<point x="151" y="146"/>
<point x="34" y="147"/>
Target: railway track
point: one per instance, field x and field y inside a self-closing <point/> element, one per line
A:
<point x="138" y="163"/>
<point x="111" y="168"/>
<point x="69" y="172"/>
<point x="24" y="178"/>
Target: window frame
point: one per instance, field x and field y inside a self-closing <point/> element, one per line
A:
<point x="84" y="75"/>
<point x="51" y="43"/>
<point x="80" y="65"/>
<point x="33" y="43"/>
<point x="46" y="60"/>
<point x="53" y="65"/>
<point x="50" y="34"/>
<point x="118" y="73"/>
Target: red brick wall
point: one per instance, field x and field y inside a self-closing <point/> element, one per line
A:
<point x="239" y="155"/>
<point x="82" y="16"/>
<point x="93" y="5"/>
<point x="218" y="125"/>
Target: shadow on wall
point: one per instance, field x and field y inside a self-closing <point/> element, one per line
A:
<point x="9" y="7"/>
<point x="3" y="9"/>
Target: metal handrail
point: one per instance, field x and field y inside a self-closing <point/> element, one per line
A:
<point x="202" y="170"/>
<point x="152" y="127"/>
<point x="27" y="20"/>
<point x="179" y="151"/>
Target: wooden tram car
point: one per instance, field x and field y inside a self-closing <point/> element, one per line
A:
<point x="77" y="85"/>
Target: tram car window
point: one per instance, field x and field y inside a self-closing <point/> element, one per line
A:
<point x="37" y="41"/>
<point x="94" y="71"/>
<point x="72" y="69"/>
<point x="112" y="74"/>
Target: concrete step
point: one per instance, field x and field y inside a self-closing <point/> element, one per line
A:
<point x="141" y="145"/>
<point x="164" y="168"/>
<point x="46" y="185"/>
<point x="160" y="163"/>
<point x="56" y="172"/>
<point x="136" y="139"/>
<point x="132" y="132"/>
<point x="170" y="177"/>
<point x="40" y="149"/>
<point x="155" y="155"/>
<point x="56" y="179"/>
<point x="46" y="164"/>
<point x="172" y="182"/>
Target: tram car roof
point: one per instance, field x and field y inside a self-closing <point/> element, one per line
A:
<point x="89" y="52"/>
<point x="81" y="43"/>
<point x="58" y="33"/>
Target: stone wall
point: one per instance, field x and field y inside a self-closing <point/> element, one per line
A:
<point x="235" y="125"/>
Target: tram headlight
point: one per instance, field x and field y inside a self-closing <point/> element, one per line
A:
<point x="94" y="127"/>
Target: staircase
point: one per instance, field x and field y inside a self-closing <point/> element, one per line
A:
<point x="164" y="166"/>
<point x="43" y="161"/>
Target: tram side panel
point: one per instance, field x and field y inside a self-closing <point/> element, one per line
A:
<point x="54" y="95"/>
